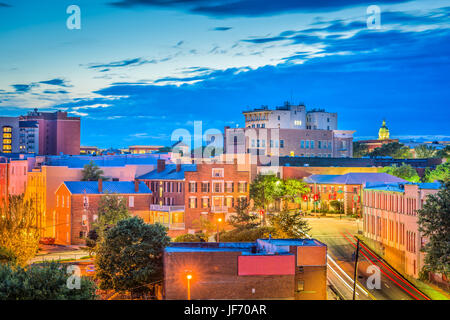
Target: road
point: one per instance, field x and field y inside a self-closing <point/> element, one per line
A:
<point x="338" y="235"/>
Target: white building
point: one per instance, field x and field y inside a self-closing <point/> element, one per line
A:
<point x="290" y="117"/>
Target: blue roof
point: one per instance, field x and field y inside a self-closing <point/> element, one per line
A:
<point x="430" y="185"/>
<point x="399" y="187"/>
<point x="104" y="161"/>
<point x="169" y="173"/>
<point x="120" y="187"/>
<point x="354" y="178"/>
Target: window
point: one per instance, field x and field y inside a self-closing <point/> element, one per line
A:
<point x="312" y="144"/>
<point x="307" y="144"/>
<point x="242" y="187"/>
<point x="205" y="187"/>
<point x="229" y="187"/>
<point x="302" y="144"/>
<point x="131" y="201"/>
<point x="192" y="187"/>
<point x="319" y="144"/>
<point x="192" y="203"/>
<point x="57" y="201"/>
<point x="281" y="143"/>
<point x="300" y="285"/>
<point x="205" y="203"/>
<point x="217" y="187"/>
<point x="230" y="202"/>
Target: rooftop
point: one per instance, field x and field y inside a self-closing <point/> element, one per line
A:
<point x="353" y="178"/>
<point x="120" y="187"/>
<point x="400" y="187"/>
<point x="119" y="160"/>
<point x="169" y="173"/>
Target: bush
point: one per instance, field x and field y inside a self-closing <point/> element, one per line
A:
<point x="48" y="281"/>
<point x="198" y="237"/>
<point x="7" y="256"/>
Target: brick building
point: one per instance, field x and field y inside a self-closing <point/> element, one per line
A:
<point x="390" y="222"/>
<point x="265" y="269"/>
<point x="183" y="193"/>
<point x="57" y="132"/>
<point x="77" y="205"/>
<point x="346" y="188"/>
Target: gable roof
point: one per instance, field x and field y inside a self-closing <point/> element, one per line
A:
<point x="354" y="178"/>
<point x="119" y="187"/>
<point x="169" y="173"/>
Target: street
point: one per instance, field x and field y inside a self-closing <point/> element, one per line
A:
<point x="338" y="235"/>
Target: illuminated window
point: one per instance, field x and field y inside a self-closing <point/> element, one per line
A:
<point x="7" y="129"/>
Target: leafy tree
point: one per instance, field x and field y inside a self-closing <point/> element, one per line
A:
<point x="206" y="225"/>
<point x="48" y="281"/>
<point x="423" y="151"/>
<point x="7" y="256"/>
<point x="444" y="153"/>
<point x="129" y="258"/>
<point x="246" y="235"/>
<point x="18" y="230"/>
<point x="405" y="171"/>
<point x="395" y="150"/>
<point x="111" y="209"/>
<point x="265" y="190"/>
<point x="289" y="225"/>
<point x="294" y="189"/>
<point x="434" y="223"/>
<point x="337" y="206"/>
<point x="91" y="172"/>
<point x="359" y="150"/>
<point x="243" y="219"/>
<point x="190" y="238"/>
<point x="441" y="173"/>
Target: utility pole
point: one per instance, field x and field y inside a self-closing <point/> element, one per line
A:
<point x="356" y="269"/>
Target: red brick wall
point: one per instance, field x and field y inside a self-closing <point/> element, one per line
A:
<point x="73" y="225"/>
<point x="203" y="174"/>
<point x="215" y="276"/>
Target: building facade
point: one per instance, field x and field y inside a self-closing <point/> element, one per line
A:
<point x="390" y="223"/>
<point x="293" y="269"/>
<point x="77" y="204"/>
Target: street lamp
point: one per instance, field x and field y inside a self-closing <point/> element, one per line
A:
<point x="189" y="277"/>
<point x="219" y="220"/>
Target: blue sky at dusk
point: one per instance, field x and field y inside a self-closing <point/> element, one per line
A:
<point x="139" y="69"/>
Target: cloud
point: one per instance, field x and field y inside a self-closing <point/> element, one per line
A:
<point x="249" y="8"/>
<point x="120" y="64"/>
<point x="5" y="5"/>
<point x="55" y="92"/>
<point x="56" y="82"/>
<point x="222" y="28"/>
<point x="23" y="88"/>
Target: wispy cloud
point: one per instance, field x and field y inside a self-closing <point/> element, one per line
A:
<point x="120" y="64"/>
<point x="222" y="28"/>
<point x="5" y="5"/>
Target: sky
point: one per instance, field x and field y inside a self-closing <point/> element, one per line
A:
<point x="137" y="70"/>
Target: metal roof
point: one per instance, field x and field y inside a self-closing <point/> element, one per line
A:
<point x="119" y="187"/>
<point x="169" y="173"/>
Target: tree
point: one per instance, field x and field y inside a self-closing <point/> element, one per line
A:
<point x="91" y="172"/>
<point x="264" y="190"/>
<point x="423" y="151"/>
<point x="294" y="189"/>
<point x="206" y="225"/>
<point x="243" y="218"/>
<point x="48" y="281"/>
<point x="441" y="173"/>
<point x="434" y="223"/>
<point x="18" y="230"/>
<point x="405" y="171"/>
<point x="7" y="256"/>
<point x="337" y="205"/>
<point x="129" y="258"/>
<point x="111" y="209"/>
<point x="443" y="153"/>
<point x="395" y="150"/>
<point x="289" y="225"/>
<point x="359" y="149"/>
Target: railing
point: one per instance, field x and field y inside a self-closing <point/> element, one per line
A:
<point x="219" y="209"/>
<point x="157" y="207"/>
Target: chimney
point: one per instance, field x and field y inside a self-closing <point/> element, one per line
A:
<point x="136" y="185"/>
<point x="178" y="165"/>
<point x="161" y="165"/>
<point x="100" y="185"/>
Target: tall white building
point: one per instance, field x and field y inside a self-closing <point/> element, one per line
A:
<point x="290" y="117"/>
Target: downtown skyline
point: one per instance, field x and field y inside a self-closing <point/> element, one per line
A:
<point x="137" y="70"/>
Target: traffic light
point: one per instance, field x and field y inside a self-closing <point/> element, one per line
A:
<point x="305" y="198"/>
<point x="316" y="197"/>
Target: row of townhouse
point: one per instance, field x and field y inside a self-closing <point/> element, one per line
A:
<point x="175" y="195"/>
<point x="391" y="223"/>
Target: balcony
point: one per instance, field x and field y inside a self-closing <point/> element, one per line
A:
<point x="157" y="207"/>
<point x="219" y="209"/>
